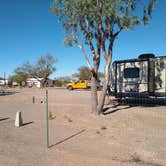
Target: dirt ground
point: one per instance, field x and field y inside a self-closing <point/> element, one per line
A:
<point x="124" y="136"/>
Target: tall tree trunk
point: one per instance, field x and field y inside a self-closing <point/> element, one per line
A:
<point x="94" y="97"/>
<point x="105" y="86"/>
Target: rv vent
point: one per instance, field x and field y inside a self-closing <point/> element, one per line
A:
<point x="146" y="56"/>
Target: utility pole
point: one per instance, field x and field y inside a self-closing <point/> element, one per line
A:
<point x="4" y="79"/>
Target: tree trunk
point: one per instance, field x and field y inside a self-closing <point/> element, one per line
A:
<point x="94" y="97"/>
<point x="105" y="87"/>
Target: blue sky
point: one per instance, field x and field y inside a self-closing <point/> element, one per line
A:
<point x="28" y="30"/>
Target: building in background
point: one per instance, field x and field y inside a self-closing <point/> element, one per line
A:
<point x="3" y="82"/>
<point x="39" y="82"/>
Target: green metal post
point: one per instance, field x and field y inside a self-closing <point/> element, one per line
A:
<point x="47" y="125"/>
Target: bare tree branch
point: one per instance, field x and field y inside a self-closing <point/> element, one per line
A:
<point x="112" y="39"/>
<point x="117" y="33"/>
<point x="85" y="56"/>
<point x="92" y="50"/>
<point x="104" y="50"/>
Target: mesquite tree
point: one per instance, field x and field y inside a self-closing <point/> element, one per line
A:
<point x="97" y="23"/>
<point x="43" y="68"/>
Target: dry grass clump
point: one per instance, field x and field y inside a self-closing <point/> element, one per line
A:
<point x="135" y="158"/>
<point x="50" y="116"/>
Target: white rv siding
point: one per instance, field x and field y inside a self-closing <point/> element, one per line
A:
<point x="139" y="77"/>
<point x="160" y="75"/>
<point x="138" y="84"/>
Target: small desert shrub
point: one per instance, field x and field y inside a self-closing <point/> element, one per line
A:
<point x="50" y="116"/>
<point x="103" y="128"/>
<point x="135" y="158"/>
<point x="58" y="83"/>
<point x="98" y="132"/>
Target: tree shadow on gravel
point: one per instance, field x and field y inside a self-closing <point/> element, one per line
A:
<point x="1" y="119"/>
<point x="5" y="93"/>
<point x="107" y="110"/>
<point x="145" y="102"/>
<point x="27" y="123"/>
<point x="127" y="103"/>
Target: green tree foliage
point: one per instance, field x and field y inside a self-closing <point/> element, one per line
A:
<point x="58" y="83"/>
<point x="18" y="78"/>
<point x="97" y="23"/>
<point x="45" y="66"/>
<point x="100" y="75"/>
<point x="41" y="69"/>
<point x="84" y="73"/>
<point x="62" y="81"/>
<point x="25" y="70"/>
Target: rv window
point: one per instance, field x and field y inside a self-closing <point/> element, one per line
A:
<point x="131" y="72"/>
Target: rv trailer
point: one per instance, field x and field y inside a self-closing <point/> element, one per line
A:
<point x="142" y="77"/>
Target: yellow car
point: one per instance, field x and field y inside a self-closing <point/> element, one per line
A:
<point x="78" y="85"/>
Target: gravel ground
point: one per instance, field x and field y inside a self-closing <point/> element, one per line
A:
<point x="124" y="136"/>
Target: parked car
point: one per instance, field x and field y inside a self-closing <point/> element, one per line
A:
<point x="84" y="84"/>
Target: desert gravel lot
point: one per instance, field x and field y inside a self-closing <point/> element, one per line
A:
<point x="125" y="136"/>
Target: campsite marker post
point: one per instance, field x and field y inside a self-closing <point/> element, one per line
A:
<point x="33" y="100"/>
<point x="47" y="127"/>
